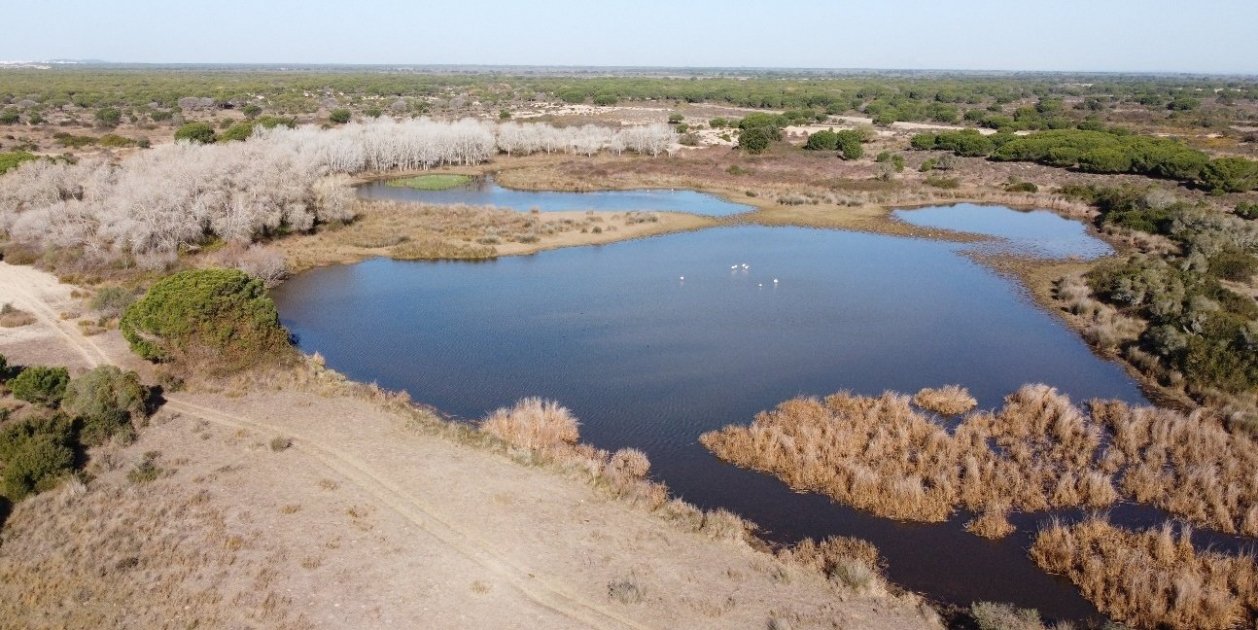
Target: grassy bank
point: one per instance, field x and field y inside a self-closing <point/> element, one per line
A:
<point x="443" y="181"/>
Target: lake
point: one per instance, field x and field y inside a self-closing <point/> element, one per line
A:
<point x="650" y="360"/>
<point x="483" y="191"/>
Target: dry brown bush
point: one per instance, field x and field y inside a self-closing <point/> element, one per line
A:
<point x="533" y="423"/>
<point x="11" y="317"/>
<point x="881" y="455"/>
<point x="1190" y="465"/>
<point x="950" y="400"/>
<point x="992" y="522"/>
<point x="1152" y="578"/>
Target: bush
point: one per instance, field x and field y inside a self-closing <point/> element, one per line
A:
<point x="849" y="144"/>
<point x="1243" y="210"/>
<point x="755" y="140"/>
<point x="237" y="132"/>
<point x="221" y="318"/>
<point x="36" y="453"/>
<point x="825" y="140"/>
<point x="1233" y="264"/>
<point x="108" y="117"/>
<point x="12" y="159"/>
<point x="199" y="133"/>
<point x="339" y="116"/>
<point x="251" y="110"/>
<point x="40" y="385"/>
<point x="111" y="301"/>
<point x="9" y="117"/>
<point x="105" y="400"/>
<point x="1230" y="174"/>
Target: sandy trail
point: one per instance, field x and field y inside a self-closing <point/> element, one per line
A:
<point x="539" y="550"/>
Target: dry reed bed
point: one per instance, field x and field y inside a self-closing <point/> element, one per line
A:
<point x="883" y="455"/>
<point x="1152" y="578"/>
<point x="1189" y="465"/>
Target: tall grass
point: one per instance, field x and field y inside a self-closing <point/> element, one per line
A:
<point x="1153" y="578"/>
<point x="882" y="455"/>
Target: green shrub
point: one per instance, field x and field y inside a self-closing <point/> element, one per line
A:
<point x="111" y="301"/>
<point x="221" y="318"/>
<point x="106" y="400"/>
<point x="824" y="140"/>
<point x="36" y="453"/>
<point x="40" y="385"/>
<point x="339" y="116"/>
<point x="1230" y="174"/>
<point x="238" y="132"/>
<point x="1243" y="210"/>
<point x="1026" y="187"/>
<point x="251" y="110"/>
<point x="1233" y="264"/>
<point x="9" y="117"/>
<point x="197" y="132"/>
<point x="849" y="144"/>
<point x="946" y="183"/>
<point x="755" y="140"/>
<point x="108" y="117"/>
<point x="12" y="159"/>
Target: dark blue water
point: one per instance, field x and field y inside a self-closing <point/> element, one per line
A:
<point x="484" y="192"/>
<point x="649" y="360"/>
<point x="1039" y="233"/>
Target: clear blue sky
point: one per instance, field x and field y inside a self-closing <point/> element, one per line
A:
<point x="1112" y="35"/>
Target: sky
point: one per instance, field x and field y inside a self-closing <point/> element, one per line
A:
<point x="1204" y="36"/>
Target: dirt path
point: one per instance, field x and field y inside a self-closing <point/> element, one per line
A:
<point x="505" y="545"/>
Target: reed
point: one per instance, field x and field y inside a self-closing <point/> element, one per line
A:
<point x="1153" y="578"/>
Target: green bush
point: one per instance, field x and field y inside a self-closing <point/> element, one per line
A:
<point x="198" y="132"/>
<point x="339" y="116"/>
<point x="1243" y="210"/>
<point x="4" y="368"/>
<point x="36" y="453"/>
<point x="1233" y="264"/>
<point x="824" y="140"/>
<point x="1230" y="174"/>
<point x="106" y="400"/>
<point x="849" y="144"/>
<point x="111" y="301"/>
<point x="9" y="117"/>
<point x="40" y="385"/>
<point x="251" y="110"/>
<point x="12" y="159"/>
<point x="108" y="117"/>
<point x="755" y="140"/>
<point x="238" y="132"/>
<point x="221" y="318"/>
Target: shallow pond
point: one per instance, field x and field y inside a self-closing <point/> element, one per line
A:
<point x="1037" y="233"/>
<point x="649" y="360"/>
<point x="485" y="192"/>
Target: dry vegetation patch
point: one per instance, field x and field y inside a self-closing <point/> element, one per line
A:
<point x="414" y="231"/>
<point x="950" y="400"/>
<point x="1190" y="465"/>
<point x="882" y="455"/>
<point x="134" y="555"/>
<point x="1152" y="578"/>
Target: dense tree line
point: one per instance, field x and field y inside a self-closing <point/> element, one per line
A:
<point x="1103" y="152"/>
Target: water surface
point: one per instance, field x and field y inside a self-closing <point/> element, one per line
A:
<point x="650" y="360"/>
<point x="1037" y="233"/>
<point x="485" y="192"/>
